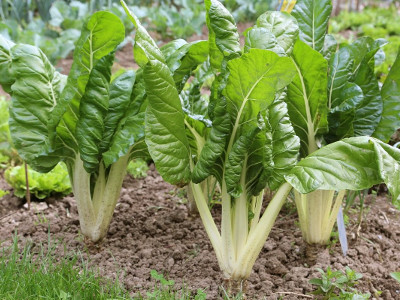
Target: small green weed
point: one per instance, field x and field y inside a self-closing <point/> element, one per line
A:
<point x="3" y="193"/>
<point x="164" y="289"/>
<point x="396" y="276"/>
<point x="338" y="285"/>
<point x="138" y="168"/>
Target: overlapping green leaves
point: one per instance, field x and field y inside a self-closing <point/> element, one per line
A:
<point x="313" y="17"/>
<point x="35" y="93"/>
<point x="307" y="96"/>
<point x="390" y="92"/>
<point x="354" y="164"/>
<point x="223" y="36"/>
<point x="6" y="79"/>
<point x="100" y="35"/>
<point x="254" y="80"/>
<point x="165" y="131"/>
<point x="275" y="31"/>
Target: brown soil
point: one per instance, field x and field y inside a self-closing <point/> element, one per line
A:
<point x="152" y="230"/>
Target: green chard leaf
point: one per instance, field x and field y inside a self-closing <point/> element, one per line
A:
<point x="330" y="46"/>
<point x="307" y="96"/>
<point x="215" y="144"/>
<point x="223" y="36"/>
<point x="93" y="111"/>
<point x="184" y="60"/>
<point x="100" y="35"/>
<point x="261" y="38"/>
<point x="164" y="121"/>
<point x="6" y="78"/>
<point x="120" y="92"/>
<point x="284" y="146"/>
<point x="390" y="92"/>
<point x="237" y="163"/>
<point x="282" y="26"/>
<point x="253" y="80"/>
<point x="35" y="93"/>
<point x="339" y="73"/>
<point x="369" y="111"/>
<point x="165" y="133"/>
<point x="145" y="49"/>
<point x="125" y="119"/>
<point x="171" y="47"/>
<point x="313" y="17"/>
<point x="351" y="164"/>
<point x="342" y="116"/>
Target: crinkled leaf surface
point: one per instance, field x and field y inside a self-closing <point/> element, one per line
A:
<point x="339" y="73"/>
<point x="354" y="164"/>
<point x="208" y="161"/>
<point x="369" y="111"/>
<point x="330" y="46"/>
<point x="341" y="117"/>
<point x="171" y="47"/>
<point x="253" y="80"/>
<point x="390" y="92"/>
<point x="312" y="17"/>
<point x="6" y="78"/>
<point x="36" y="92"/>
<point x="125" y="118"/>
<point x="93" y="110"/>
<point x="261" y="38"/>
<point x="237" y="163"/>
<point x="285" y="145"/>
<point x="185" y="60"/>
<point x="165" y="133"/>
<point x="100" y="35"/>
<point x="223" y="36"/>
<point x="164" y="120"/>
<point x="120" y="91"/>
<point x="283" y="26"/>
<point x="307" y="96"/>
<point x="145" y="48"/>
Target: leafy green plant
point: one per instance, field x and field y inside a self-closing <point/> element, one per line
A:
<point x="5" y="138"/>
<point x="335" y="95"/>
<point x="164" y="290"/>
<point x="41" y="185"/>
<point x="3" y="193"/>
<point x="92" y="123"/>
<point x="138" y="168"/>
<point x="396" y="276"/>
<point x="8" y="154"/>
<point x="250" y="142"/>
<point x="338" y="285"/>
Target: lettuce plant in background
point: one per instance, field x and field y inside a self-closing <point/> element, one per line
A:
<point x="91" y="122"/>
<point x="54" y="183"/>
<point x="251" y="143"/>
<point x="8" y="154"/>
<point x="4" y="132"/>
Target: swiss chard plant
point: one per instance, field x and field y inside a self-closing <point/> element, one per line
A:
<point x="250" y="143"/>
<point x="92" y="120"/>
<point x="335" y="95"/>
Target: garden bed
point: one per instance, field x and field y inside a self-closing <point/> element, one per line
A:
<point x="151" y="230"/>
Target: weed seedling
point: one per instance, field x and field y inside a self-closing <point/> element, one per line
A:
<point x="338" y="285"/>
